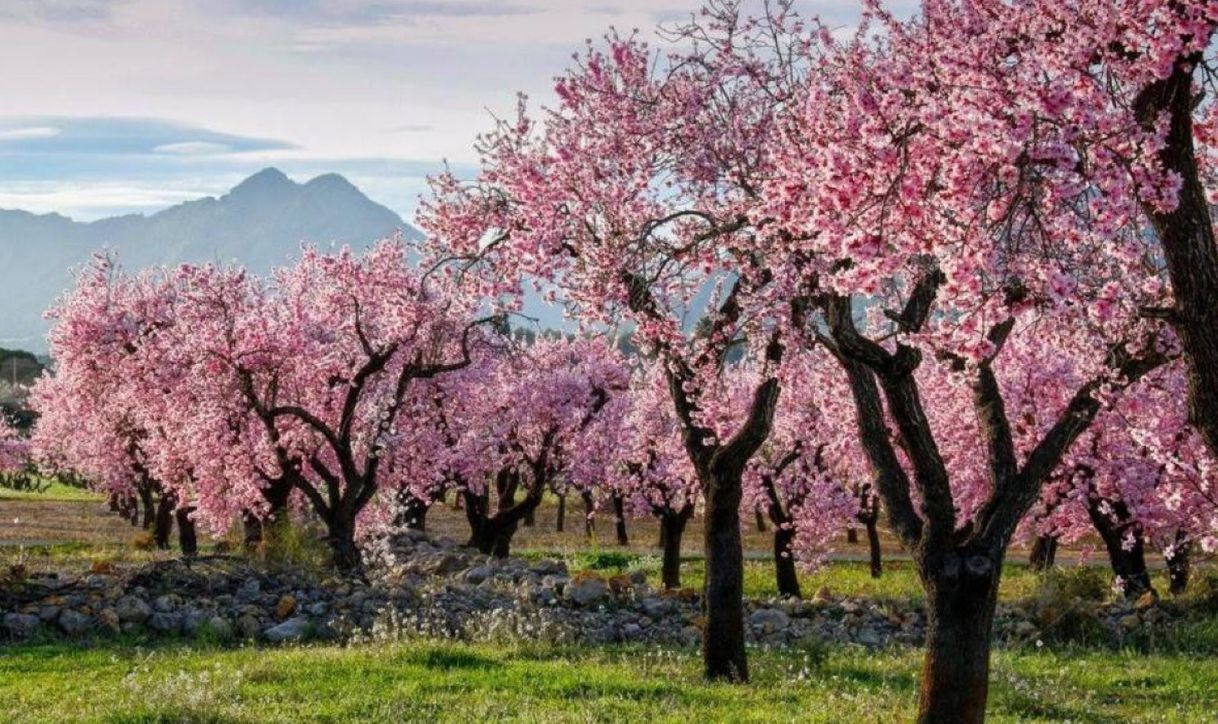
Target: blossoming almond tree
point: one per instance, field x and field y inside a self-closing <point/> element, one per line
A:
<point x="937" y="184"/>
<point x="633" y="195"/>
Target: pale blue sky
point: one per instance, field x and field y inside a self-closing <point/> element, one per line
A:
<point x="110" y="106"/>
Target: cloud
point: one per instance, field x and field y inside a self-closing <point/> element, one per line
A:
<point x="193" y="148"/>
<point x="17" y="134"/>
<point x="109" y="136"/>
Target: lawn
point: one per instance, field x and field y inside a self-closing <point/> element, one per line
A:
<point x="443" y="681"/>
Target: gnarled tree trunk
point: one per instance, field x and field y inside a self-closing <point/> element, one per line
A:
<point x="723" y="651"/>
<point x="619" y="520"/>
<point x="163" y="523"/>
<point x="1043" y="553"/>
<point x="962" y="590"/>
<point x="1124" y="541"/>
<point x="188" y="539"/>
<point x="1179" y="564"/>
<point x="672" y="529"/>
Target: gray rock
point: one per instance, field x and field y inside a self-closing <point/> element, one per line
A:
<point x="632" y="631"/>
<point x="99" y="580"/>
<point x="132" y="608"/>
<point x="249" y="590"/>
<point x="477" y="574"/>
<point x="165" y="622"/>
<point x="549" y="567"/>
<point x="74" y="623"/>
<point x="219" y="627"/>
<point x="21" y="625"/>
<point x="868" y="636"/>
<point x="249" y="625"/>
<point x="770" y="619"/>
<point x="48" y="613"/>
<point x="656" y="607"/>
<point x="317" y="609"/>
<point x="193" y="620"/>
<point x="167" y="603"/>
<point x="294" y="629"/>
<point x="586" y="591"/>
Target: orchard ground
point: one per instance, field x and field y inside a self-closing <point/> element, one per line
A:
<point x="1173" y="677"/>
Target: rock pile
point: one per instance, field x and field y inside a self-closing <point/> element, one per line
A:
<point x="419" y="586"/>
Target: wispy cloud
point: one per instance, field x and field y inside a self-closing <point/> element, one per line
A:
<point x="20" y="134"/>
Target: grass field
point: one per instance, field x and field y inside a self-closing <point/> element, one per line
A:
<point x="416" y="681"/>
<point x="1172" y="679"/>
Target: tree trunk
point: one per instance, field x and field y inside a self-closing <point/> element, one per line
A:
<point x="873" y="547"/>
<point x="276" y="493"/>
<point x="761" y="526"/>
<point x="784" y="561"/>
<point x="1186" y="234"/>
<point x="619" y="516"/>
<point x="188" y="539"/>
<point x="1115" y="528"/>
<point x="163" y="523"/>
<point x="723" y="653"/>
<point x="852" y="535"/>
<point x="344" y="553"/>
<point x="145" y="493"/>
<point x="530" y="518"/>
<point x="1179" y="566"/>
<point x="562" y="513"/>
<point x="1043" y="553"/>
<point x="672" y="528"/>
<point x="956" y="670"/>
<point x="589" y="507"/>
<point x="411" y="511"/>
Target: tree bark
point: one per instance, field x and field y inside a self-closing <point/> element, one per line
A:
<point x="784" y="562"/>
<point x="761" y="526"/>
<point x="873" y="548"/>
<point x="723" y="651"/>
<point x="276" y="493"/>
<point x="344" y="553"/>
<point x="1125" y="543"/>
<point x="1187" y="236"/>
<point x="589" y="507"/>
<point x="619" y="520"/>
<point x="188" y="539"/>
<point x="1043" y="553"/>
<point x="163" y="523"/>
<point x="562" y="513"/>
<point x="852" y="535"/>
<point x="411" y="511"/>
<point x="146" y="499"/>
<point x="1179" y="565"/>
<point x="962" y="593"/>
<point x="672" y="529"/>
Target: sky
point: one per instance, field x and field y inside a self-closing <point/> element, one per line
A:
<point x="119" y="106"/>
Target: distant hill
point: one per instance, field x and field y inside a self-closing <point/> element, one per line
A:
<point x="260" y="224"/>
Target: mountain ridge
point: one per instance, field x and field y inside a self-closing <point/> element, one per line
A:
<point x="260" y="223"/>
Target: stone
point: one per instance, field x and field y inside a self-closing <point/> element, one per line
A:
<point x="133" y="609"/>
<point x="477" y="574"/>
<point x="249" y="590"/>
<point x="193" y="620"/>
<point x="656" y="607"/>
<point x="1130" y="622"/>
<point x="1146" y="600"/>
<point x="549" y="567"/>
<point x="99" y="580"/>
<point x="868" y="636"/>
<point x="294" y="629"/>
<point x="109" y="620"/>
<point x="21" y="625"/>
<point x="74" y="623"/>
<point x="49" y="613"/>
<point x="220" y="628"/>
<point x="446" y="564"/>
<point x="167" y="603"/>
<point x="249" y="625"/>
<point x="285" y="607"/>
<point x="586" y="591"/>
<point x="631" y="631"/>
<point x="165" y="622"/>
<point x="769" y="619"/>
<point x="318" y="608"/>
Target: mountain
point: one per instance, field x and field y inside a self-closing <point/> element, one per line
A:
<point x="260" y="224"/>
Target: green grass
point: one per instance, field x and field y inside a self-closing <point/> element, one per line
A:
<point x="54" y="491"/>
<point x="455" y="682"/>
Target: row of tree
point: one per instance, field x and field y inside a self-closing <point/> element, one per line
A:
<point x="962" y="263"/>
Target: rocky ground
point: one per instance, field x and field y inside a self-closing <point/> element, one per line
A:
<point x="417" y="585"/>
